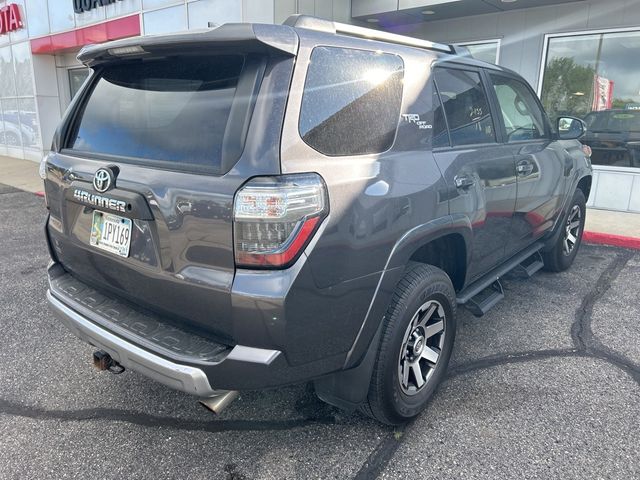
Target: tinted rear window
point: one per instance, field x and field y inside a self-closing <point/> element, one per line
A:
<point x="351" y="101"/>
<point x="614" y="121"/>
<point x="465" y="106"/>
<point x="168" y="111"/>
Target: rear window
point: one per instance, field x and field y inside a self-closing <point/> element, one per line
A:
<point x="351" y="101"/>
<point x="161" y="111"/>
<point x="613" y="121"/>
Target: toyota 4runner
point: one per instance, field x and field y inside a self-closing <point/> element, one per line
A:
<point x="257" y="205"/>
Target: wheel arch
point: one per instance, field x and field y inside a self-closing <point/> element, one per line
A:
<point x="349" y="387"/>
<point x="434" y="243"/>
<point x="448" y="253"/>
<point x="416" y="244"/>
<point x="584" y="184"/>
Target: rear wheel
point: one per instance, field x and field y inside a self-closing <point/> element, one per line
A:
<point x="563" y="253"/>
<point x="415" y="347"/>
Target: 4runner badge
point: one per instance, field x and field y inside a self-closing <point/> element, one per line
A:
<point x="103" y="180"/>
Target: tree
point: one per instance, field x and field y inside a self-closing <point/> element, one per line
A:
<point x="567" y="88"/>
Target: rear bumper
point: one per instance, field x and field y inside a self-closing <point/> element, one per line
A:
<point x="181" y="377"/>
<point x="163" y="353"/>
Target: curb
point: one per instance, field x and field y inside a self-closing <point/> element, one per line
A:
<point x="611" y="239"/>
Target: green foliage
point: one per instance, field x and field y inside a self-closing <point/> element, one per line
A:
<point x="563" y="79"/>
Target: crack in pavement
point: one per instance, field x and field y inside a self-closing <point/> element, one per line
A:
<point x="382" y="454"/>
<point x="585" y="345"/>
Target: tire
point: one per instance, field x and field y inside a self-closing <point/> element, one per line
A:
<point x="11" y="139"/>
<point x="424" y="291"/>
<point x="558" y="258"/>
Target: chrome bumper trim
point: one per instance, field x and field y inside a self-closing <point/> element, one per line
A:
<point x="180" y="377"/>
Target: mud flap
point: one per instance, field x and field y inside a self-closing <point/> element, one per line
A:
<point x="347" y="389"/>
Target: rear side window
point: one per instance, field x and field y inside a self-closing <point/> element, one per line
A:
<point x="351" y="101"/>
<point x="440" y="133"/>
<point x="164" y="111"/>
<point x="465" y="106"/>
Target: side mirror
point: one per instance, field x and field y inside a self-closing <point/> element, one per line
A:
<point x="570" y="128"/>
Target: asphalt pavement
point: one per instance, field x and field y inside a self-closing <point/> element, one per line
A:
<point x="547" y="385"/>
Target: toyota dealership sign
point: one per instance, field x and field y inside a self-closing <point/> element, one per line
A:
<point x="10" y="19"/>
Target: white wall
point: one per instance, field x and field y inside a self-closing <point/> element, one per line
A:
<point x="338" y="10"/>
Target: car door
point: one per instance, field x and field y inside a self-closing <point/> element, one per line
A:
<point x="542" y="164"/>
<point x="479" y="171"/>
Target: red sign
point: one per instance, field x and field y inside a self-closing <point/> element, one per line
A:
<point x="10" y="18"/>
<point x="602" y="93"/>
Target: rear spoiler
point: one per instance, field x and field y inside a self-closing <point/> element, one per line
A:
<point x="246" y="37"/>
<point x="328" y="26"/>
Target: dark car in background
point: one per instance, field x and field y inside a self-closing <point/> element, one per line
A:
<point x="614" y="137"/>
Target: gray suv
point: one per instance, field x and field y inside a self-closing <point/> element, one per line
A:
<point x="259" y="205"/>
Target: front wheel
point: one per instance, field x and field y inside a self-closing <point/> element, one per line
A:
<point x="563" y="253"/>
<point x="416" y="345"/>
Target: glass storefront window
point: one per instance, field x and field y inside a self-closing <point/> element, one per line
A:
<point x="7" y="77"/>
<point x="484" y="51"/>
<point x="595" y="77"/>
<point x="22" y="66"/>
<point x="77" y="76"/>
<point x="11" y="133"/>
<point x="61" y="16"/>
<point x="28" y="122"/>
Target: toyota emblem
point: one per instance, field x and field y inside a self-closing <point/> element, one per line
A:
<point x="103" y="180"/>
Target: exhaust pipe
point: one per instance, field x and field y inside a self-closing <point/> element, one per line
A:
<point x="218" y="403"/>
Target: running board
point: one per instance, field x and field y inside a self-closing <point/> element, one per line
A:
<point x="530" y="265"/>
<point x="486" y="299"/>
<point x="483" y="294"/>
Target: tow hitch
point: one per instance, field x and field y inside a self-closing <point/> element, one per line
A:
<point x="103" y="361"/>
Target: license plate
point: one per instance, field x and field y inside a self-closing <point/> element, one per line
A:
<point x="111" y="233"/>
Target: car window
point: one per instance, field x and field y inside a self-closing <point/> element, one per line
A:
<point x="465" y="106"/>
<point x="167" y="111"/>
<point x="614" y="121"/>
<point x="351" y="101"/>
<point x="440" y="133"/>
<point x="523" y="117"/>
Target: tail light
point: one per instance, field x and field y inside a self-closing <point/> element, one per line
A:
<point x="275" y="217"/>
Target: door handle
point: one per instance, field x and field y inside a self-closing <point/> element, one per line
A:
<point x="464" y="182"/>
<point x="524" y="167"/>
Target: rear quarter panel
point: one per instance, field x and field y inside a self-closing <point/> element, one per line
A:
<point x="374" y="201"/>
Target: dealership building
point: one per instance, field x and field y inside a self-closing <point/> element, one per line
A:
<point x="581" y="56"/>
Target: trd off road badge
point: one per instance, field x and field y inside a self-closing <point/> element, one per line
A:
<point x="415" y="119"/>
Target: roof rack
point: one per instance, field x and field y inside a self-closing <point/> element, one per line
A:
<point x="319" y="24"/>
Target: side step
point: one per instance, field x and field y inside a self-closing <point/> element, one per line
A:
<point x="486" y="300"/>
<point x="530" y="266"/>
<point x="483" y="294"/>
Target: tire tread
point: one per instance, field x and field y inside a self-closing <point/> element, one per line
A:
<point x="415" y="274"/>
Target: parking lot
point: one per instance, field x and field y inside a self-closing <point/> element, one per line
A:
<point x="547" y="385"/>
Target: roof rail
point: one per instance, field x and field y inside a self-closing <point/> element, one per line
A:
<point x="319" y="24"/>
